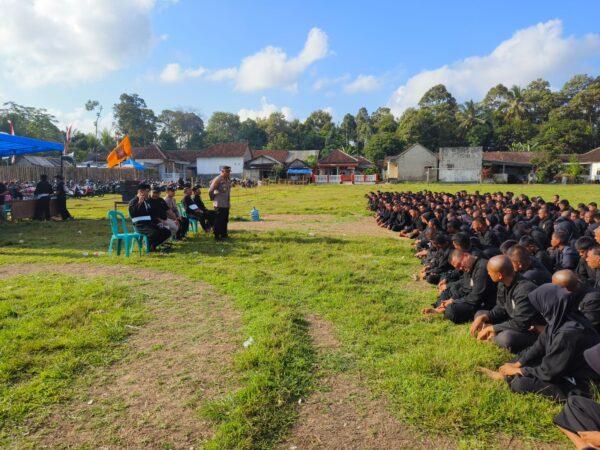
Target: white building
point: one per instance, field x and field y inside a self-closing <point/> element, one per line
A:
<point x="460" y="164"/>
<point x="210" y="161"/>
<point x="416" y="163"/>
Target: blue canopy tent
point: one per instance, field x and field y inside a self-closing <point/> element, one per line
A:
<point x="134" y="164"/>
<point x="18" y="145"/>
<point x="300" y="171"/>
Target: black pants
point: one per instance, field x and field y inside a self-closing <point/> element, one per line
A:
<point x="221" y="221"/>
<point x="62" y="207"/>
<point x="579" y="414"/>
<point x="184" y="226"/>
<point x="206" y="218"/>
<point x="513" y="340"/>
<point x="42" y="208"/>
<point x="156" y="235"/>
<point x="559" y="391"/>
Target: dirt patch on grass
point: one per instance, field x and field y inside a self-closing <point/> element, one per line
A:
<point x="316" y="223"/>
<point x="180" y="359"/>
<point x="344" y="414"/>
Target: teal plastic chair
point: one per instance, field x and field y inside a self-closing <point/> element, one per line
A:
<point x="121" y="235"/>
<point x="193" y="221"/>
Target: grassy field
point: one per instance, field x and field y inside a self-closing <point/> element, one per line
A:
<point x="425" y="368"/>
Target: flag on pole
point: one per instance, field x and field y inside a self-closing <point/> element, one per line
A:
<point x="11" y="128"/>
<point x="67" y="140"/>
<point x="121" y="152"/>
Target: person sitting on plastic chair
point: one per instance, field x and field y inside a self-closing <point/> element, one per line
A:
<point x="141" y="216"/>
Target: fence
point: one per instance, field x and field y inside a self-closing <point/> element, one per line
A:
<point x="353" y="179"/>
<point x="75" y="173"/>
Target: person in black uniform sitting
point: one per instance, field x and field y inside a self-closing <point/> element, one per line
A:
<point x="61" y="198"/>
<point x="43" y="191"/>
<point x="141" y="216"/>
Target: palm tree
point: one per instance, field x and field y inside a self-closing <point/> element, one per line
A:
<point x="514" y="107"/>
<point x="469" y="115"/>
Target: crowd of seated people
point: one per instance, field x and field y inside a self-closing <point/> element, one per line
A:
<point x="159" y="218"/>
<point x="525" y="274"/>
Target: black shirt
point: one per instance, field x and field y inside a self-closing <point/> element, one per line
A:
<point x="513" y="310"/>
<point x="482" y="291"/>
<point x="158" y="208"/>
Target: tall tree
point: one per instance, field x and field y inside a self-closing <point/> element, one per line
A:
<point x="514" y="106"/>
<point x="383" y="144"/>
<point x="539" y="101"/>
<point x="95" y="106"/>
<point x="364" y="129"/>
<point x="135" y="119"/>
<point x="383" y="120"/>
<point x="182" y="126"/>
<point x="223" y="127"/>
<point x="30" y="122"/>
<point x="348" y="130"/>
<point x="443" y="107"/>
<point x="255" y="135"/>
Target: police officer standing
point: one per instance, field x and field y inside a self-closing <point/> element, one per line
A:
<point x="219" y="192"/>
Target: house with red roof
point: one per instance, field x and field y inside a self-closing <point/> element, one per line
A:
<point x="339" y="162"/>
<point x="265" y="163"/>
<point x="233" y="154"/>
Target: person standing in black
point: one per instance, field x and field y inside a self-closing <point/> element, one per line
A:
<point x="61" y="198"/>
<point x="220" y="193"/>
<point x="42" y="193"/>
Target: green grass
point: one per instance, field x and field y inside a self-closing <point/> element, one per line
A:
<point x="425" y="368"/>
<point x="53" y="328"/>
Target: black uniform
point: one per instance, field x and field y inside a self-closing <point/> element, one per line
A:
<point x="514" y="314"/>
<point x="61" y="200"/>
<point x="588" y="301"/>
<point x="43" y="191"/>
<point x="143" y="221"/>
<point x="537" y="273"/>
<point x="480" y="293"/>
<point x="554" y="365"/>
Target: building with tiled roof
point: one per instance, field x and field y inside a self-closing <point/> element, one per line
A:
<point x="209" y="161"/>
<point x="339" y="162"/>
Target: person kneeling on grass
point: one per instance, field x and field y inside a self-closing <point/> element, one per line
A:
<point x="141" y="216"/>
<point x="586" y="297"/>
<point x="580" y="418"/>
<point x="478" y="290"/>
<point x="508" y="323"/>
<point x="553" y="366"/>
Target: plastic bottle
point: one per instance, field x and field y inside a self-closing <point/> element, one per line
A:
<point x="254" y="215"/>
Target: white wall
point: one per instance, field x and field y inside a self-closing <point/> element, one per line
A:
<point x="595" y="171"/>
<point x="211" y="166"/>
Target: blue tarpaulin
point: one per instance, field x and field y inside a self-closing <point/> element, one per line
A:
<point x="135" y="164"/>
<point x="19" y="145"/>
<point x="306" y="171"/>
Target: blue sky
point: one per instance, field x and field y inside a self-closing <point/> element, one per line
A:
<point x="254" y="58"/>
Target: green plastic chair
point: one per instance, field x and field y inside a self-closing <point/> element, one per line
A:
<point x="122" y="236"/>
<point x="193" y="220"/>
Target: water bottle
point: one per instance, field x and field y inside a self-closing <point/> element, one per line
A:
<point x="254" y="215"/>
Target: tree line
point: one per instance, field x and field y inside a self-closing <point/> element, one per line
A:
<point x="530" y="118"/>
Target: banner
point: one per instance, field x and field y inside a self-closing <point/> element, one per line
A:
<point x="121" y="152"/>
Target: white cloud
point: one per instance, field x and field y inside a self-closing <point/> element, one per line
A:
<point x="82" y="120"/>
<point x="49" y="41"/>
<point x="329" y="110"/>
<point x="269" y="68"/>
<point x="325" y="82"/>
<point x="265" y="111"/>
<point x="537" y="51"/>
<point x="363" y="83"/>
<point x="172" y="73"/>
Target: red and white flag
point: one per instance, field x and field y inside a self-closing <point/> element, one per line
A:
<point x="11" y="128"/>
<point x="67" y="140"/>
